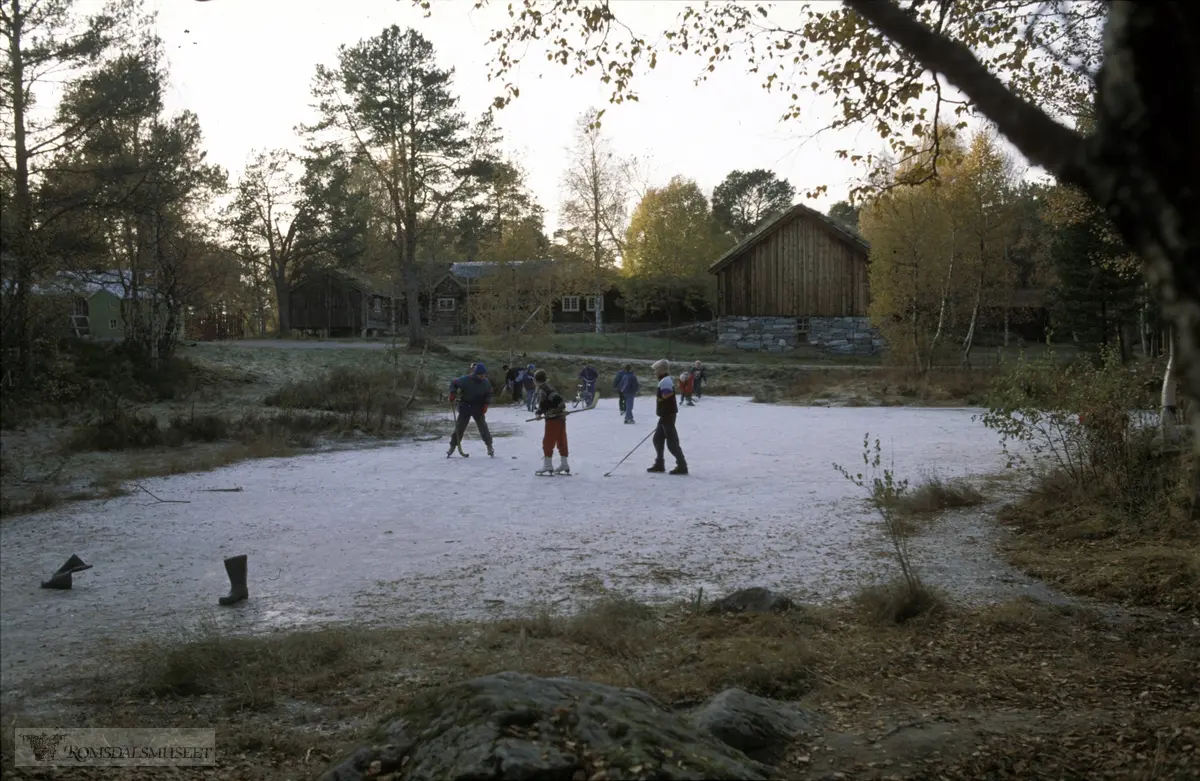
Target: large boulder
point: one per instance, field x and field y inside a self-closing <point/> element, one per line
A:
<point x="760" y="728"/>
<point x="514" y="726"/>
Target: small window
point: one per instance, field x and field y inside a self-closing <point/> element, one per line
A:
<point x="595" y="303"/>
<point x="802" y="325"/>
<point x="570" y="303"/>
<point x="112" y="324"/>
<point x="377" y="305"/>
<point x="81" y="306"/>
<point x="446" y="304"/>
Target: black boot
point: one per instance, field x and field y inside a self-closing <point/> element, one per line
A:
<point x="680" y="469"/>
<point x="235" y="568"/>
<point x="658" y="467"/>
<point x="61" y="579"/>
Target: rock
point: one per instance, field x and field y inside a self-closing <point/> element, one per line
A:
<point x="760" y="728"/>
<point x="515" y="726"/>
<point x="751" y="600"/>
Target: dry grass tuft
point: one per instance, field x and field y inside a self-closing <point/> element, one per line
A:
<point x="934" y="495"/>
<point x="247" y="672"/>
<point x="899" y="602"/>
<point x="42" y="498"/>
<point x="1136" y="545"/>
<point x="293" y="701"/>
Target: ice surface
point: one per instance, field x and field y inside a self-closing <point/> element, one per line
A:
<point x="388" y="534"/>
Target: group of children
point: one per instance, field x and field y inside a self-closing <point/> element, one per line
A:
<point x="473" y="393"/>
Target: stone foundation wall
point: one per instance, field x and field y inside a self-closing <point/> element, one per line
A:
<point x="844" y="335"/>
<point x="837" y="335"/>
<point x="772" y="334"/>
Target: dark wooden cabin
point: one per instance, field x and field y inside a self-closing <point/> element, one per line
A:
<point x="801" y="264"/>
<point x="336" y="302"/>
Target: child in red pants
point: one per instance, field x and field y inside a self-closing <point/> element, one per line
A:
<point x="552" y="407"/>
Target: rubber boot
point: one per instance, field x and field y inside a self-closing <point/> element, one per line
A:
<point x="547" y="466"/>
<point x="680" y="469"/>
<point x="563" y="467"/>
<point x="658" y="467"/>
<point x="235" y="568"/>
<point x="61" y="579"/>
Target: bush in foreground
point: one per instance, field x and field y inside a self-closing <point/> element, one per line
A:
<point x="1109" y="512"/>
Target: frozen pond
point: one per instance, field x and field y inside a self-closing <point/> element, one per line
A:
<point x="390" y="534"/>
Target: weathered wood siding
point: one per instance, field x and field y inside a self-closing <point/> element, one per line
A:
<point x="324" y="302"/>
<point x="455" y="322"/>
<point x="802" y="269"/>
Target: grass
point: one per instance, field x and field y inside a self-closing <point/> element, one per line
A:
<point x="900" y="602"/>
<point x="1089" y="541"/>
<point x="292" y="701"/>
<point x="935" y="495"/>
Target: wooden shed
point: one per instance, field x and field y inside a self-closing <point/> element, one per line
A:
<point x="801" y="264"/>
<point x="337" y="302"/>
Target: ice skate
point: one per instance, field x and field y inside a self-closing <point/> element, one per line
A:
<point x="563" y="467"/>
<point x="680" y="469"/>
<point x="547" y="467"/>
<point x="658" y="467"/>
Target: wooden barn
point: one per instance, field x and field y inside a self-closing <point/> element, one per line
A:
<point x="337" y="302"/>
<point x="801" y="264"/>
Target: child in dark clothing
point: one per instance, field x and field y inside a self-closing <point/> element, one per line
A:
<point x="665" y="433"/>
<point x="473" y="392"/>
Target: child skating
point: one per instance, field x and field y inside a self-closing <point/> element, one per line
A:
<point x="552" y="408"/>
<point x="685" y="388"/>
<point x="473" y="392"/>
<point x="665" y="433"/>
<point x="628" y="390"/>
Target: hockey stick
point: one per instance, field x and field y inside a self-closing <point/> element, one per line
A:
<point x="631" y="452"/>
<point x="595" y="401"/>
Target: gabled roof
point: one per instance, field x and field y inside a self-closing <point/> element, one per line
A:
<point x="87" y="284"/>
<point x="478" y="269"/>
<point x="358" y="280"/>
<point x="855" y="241"/>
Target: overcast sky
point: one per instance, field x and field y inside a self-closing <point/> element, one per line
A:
<point x="246" y="66"/>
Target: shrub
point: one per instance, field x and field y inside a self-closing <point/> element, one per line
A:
<point x="1075" y="419"/>
<point x="888" y="494"/>
<point x="118" y="429"/>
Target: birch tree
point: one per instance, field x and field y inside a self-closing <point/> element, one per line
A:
<point x="594" y="190"/>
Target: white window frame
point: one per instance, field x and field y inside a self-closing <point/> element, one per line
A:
<point x="112" y="324"/>
<point x="803" y="325"/>
<point x="446" y="304"/>
<point x="570" y="303"/>
<point x="377" y="306"/>
<point x="594" y="303"/>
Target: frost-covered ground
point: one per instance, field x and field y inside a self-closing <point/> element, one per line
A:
<point x="392" y="533"/>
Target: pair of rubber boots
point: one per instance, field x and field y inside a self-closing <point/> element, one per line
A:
<point x="659" y="466"/>
<point x="237" y="568"/>
<point x="564" y="468"/>
<point x="61" y="580"/>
